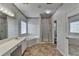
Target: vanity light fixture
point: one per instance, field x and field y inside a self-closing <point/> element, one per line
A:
<point x="7" y="12"/>
<point x="10" y="14"/>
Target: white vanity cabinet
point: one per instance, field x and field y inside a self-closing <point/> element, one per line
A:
<point x="24" y="46"/>
<point x="6" y="54"/>
<point x="14" y="47"/>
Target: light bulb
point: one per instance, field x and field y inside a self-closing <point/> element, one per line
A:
<point x="1" y="9"/>
<point x="10" y="14"/>
<point x="5" y="11"/>
<point x="48" y="11"/>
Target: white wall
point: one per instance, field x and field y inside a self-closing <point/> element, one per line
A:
<point x="13" y="23"/>
<point x="62" y="26"/>
<point x="34" y="26"/>
<point x="53" y="28"/>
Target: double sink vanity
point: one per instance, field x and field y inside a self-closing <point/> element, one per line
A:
<point x="17" y="46"/>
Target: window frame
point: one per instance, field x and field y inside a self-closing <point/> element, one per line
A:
<point x="22" y="29"/>
<point x="26" y="28"/>
<point x="70" y="20"/>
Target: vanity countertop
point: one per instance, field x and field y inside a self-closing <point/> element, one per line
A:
<point x="32" y="37"/>
<point x="5" y="47"/>
<point x="72" y="37"/>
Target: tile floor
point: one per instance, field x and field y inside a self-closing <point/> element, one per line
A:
<point x="42" y="49"/>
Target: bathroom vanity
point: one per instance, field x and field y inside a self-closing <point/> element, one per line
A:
<point x="73" y="46"/>
<point x="17" y="46"/>
<point x="13" y="46"/>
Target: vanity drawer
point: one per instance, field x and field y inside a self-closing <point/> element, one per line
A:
<point x="13" y="49"/>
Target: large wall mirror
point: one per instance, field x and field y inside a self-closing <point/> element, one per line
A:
<point x="3" y="26"/>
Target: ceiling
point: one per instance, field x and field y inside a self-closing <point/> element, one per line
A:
<point x="35" y="9"/>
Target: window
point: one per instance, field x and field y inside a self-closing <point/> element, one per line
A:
<point x="74" y="27"/>
<point x="23" y="27"/>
